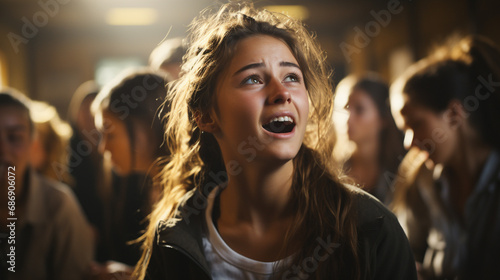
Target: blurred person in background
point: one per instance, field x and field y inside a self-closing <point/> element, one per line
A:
<point x="91" y="173"/>
<point x="49" y="153"/>
<point x="128" y="115"/>
<point x="370" y="126"/>
<point x="167" y="56"/>
<point x="450" y="206"/>
<point x="52" y="237"/>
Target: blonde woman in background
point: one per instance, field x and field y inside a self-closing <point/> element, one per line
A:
<point x="49" y="155"/>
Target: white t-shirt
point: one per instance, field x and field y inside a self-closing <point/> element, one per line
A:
<point x="223" y="261"/>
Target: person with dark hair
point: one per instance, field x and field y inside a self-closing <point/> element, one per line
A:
<point x="127" y="112"/>
<point x="49" y="235"/>
<point x="128" y="116"/>
<point x="91" y="173"/>
<point x="379" y="143"/>
<point x="450" y="107"/>
<point x="251" y="190"/>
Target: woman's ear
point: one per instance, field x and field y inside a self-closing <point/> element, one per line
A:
<point x="205" y="122"/>
<point x="456" y="114"/>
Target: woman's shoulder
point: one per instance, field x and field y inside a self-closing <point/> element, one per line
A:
<point x="370" y="212"/>
<point x="383" y="247"/>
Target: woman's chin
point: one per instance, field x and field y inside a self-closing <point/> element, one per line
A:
<point x="284" y="155"/>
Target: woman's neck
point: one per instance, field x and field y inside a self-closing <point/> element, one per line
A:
<point x="257" y="195"/>
<point x="464" y="170"/>
<point x="366" y="153"/>
<point x="256" y="213"/>
<point x="468" y="161"/>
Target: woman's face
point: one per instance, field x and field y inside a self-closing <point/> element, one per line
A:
<point x="85" y="120"/>
<point x="115" y="140"/>
<point x="262" y="103"/>
<point x="364" y="123"/>
<point x="429" y="131"/>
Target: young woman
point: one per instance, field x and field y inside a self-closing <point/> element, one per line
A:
<point x="126" y="114"/>
<point x="379" y="143"/>
<point x="250" y="191"/>
<point x="91" y="174"/>
<point x="451" y="109"/>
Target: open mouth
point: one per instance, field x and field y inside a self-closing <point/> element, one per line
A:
<point x="280" y="125"/>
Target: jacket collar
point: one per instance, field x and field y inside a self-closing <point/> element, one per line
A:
<point x="186" y="234"/>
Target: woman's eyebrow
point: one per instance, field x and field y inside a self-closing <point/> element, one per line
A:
<point x="249" y="66"/>
<point x="289" y="64"/>
<point x="261" y="64"/>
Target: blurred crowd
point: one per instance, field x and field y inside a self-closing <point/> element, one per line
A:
<point x="427" y="146"/>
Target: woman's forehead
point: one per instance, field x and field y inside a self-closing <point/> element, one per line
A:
<point x="258" y="49"/>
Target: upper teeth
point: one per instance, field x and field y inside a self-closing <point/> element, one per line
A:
<point x="282" y="119"/>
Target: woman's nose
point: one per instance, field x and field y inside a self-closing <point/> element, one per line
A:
<point x="101" y="147"/>
<point x="278" y="92"/>
<point x="408" y="141"/>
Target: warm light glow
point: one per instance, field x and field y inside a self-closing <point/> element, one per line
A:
<point x="131" y="16"/>
<point x="397" y="98"/>
<point x="344" y="147"/>
<point x="408" y="139"/>
<point x="295" y="11"/>
<point x="397" y="101"/>
<point x="3" y="71"/>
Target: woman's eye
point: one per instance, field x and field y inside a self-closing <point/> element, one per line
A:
<point x="359" y="110"/>
<point x="291" y="78"/>
<point x="251" y="80"/>
<point x="16" y="138"/>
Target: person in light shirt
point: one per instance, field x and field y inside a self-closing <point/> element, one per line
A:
<point x="53" y="240"/>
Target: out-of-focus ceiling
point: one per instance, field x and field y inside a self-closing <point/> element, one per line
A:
<point x="78" y="13"/>
<point x="88" y="16"/>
